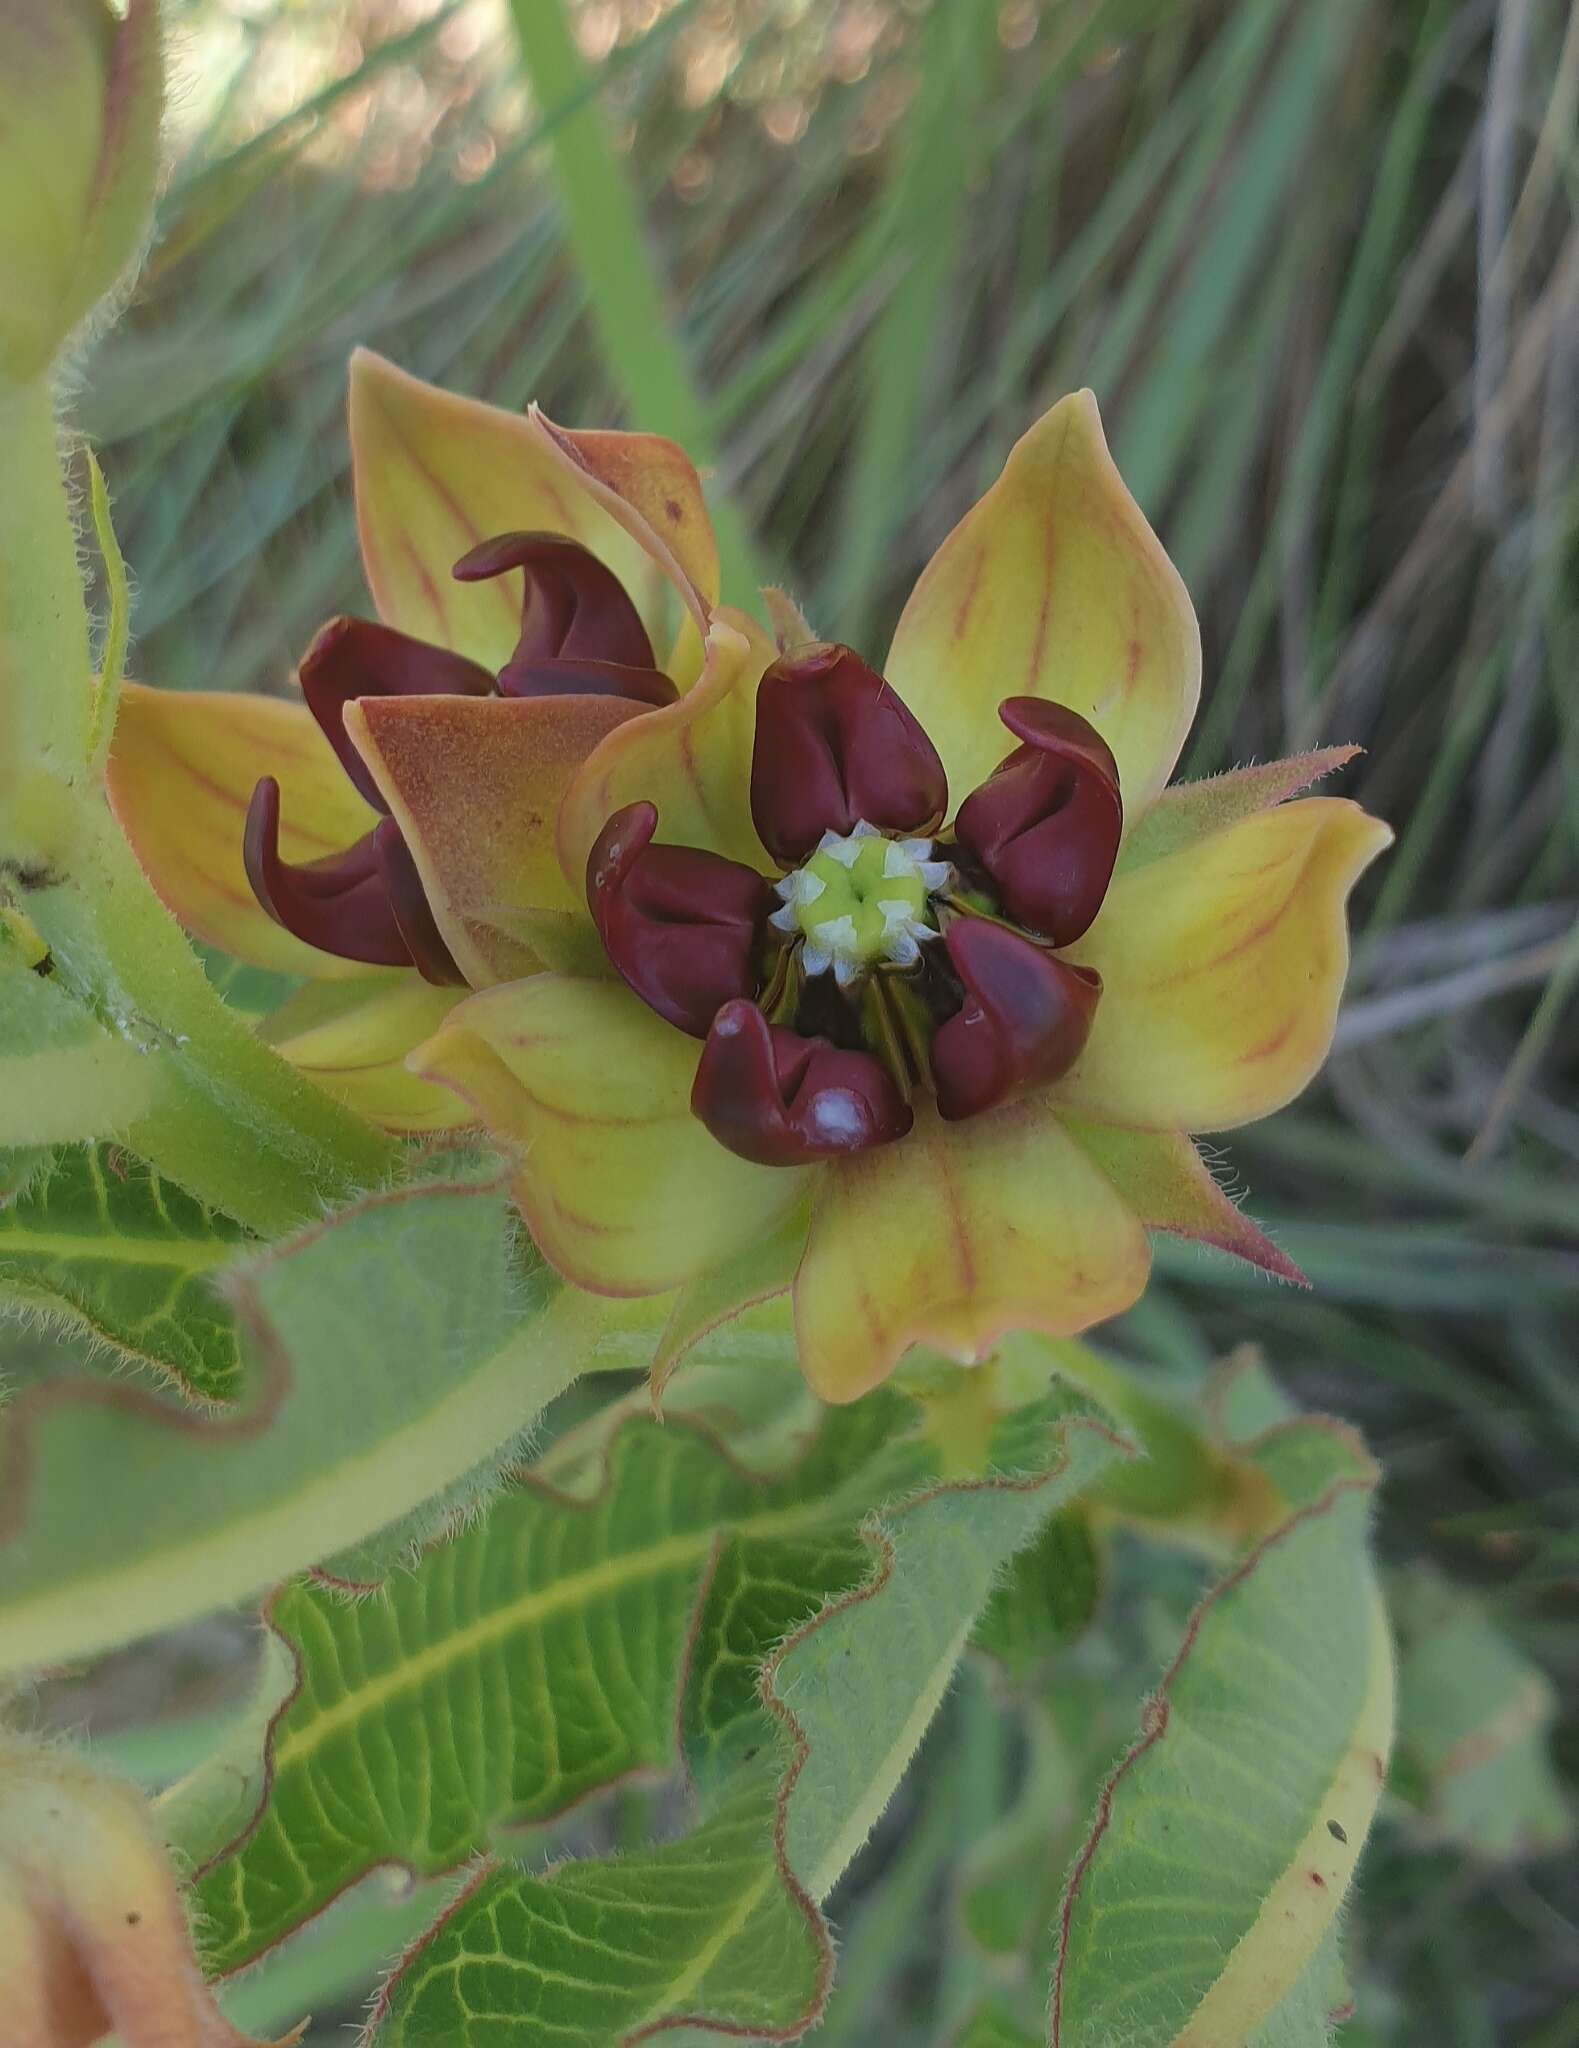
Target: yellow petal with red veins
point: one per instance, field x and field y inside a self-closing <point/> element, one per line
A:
<point x="622" y="1188"/>
<point x="1053" y="586"/>
<point x="352" y="1038"/>
<point x="954" y="1236"/>
<point x="475" y="784"/>
<point x="1222" y="967"/>
<point x="93" y="1934"/>
<point x="1167" y="1183"/>
<point x="181" y="773"/>
<point x="436" y="473"/>
<point x="692" y="759"/>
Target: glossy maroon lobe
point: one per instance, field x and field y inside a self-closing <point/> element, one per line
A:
<point x="352" y="658"/>
<point x="573" y="609"/>
<point x="1046" y="823"/>
<point x="364" y="904"/>
<point x="1024" y="1021"/>
<point x="680" y="925"/>
<point x="835" y="744"/>
<point x="782" y="1100"/>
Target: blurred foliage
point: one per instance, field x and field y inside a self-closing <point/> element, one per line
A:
<point x="1321" y="265"/>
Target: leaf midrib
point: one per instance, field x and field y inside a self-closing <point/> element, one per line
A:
<point x="184" y="1255"/>
<point x="610" y="1575"/>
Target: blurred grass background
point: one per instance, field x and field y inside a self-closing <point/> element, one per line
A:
<point x="1319" y="260"/>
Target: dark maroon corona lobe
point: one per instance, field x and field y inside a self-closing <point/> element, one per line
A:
<point x="1045" y="825"/>
<point x="351" y="658"/>
<point x="365" y="904"/>
<point x="575" y="613"/>
<point x="1023" y="1023"/>
<point x="778" y="1099"/>
<point x="580" y="636"/>
<point x="682" y="927"/>
<point x="836" y="745"/>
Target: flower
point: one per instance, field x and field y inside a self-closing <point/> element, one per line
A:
<point x="889" y="1013"/>
<point x="522" y="575"/>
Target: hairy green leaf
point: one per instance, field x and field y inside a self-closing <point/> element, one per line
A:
<point x="721" y="1931"/>
<point x="395" y="1348"/>
<point x="537" y="1657"/>
<point x="101" y="1240"/>
<point x="62" y="1076"/>
<point x="20" y="1166"/>
<point x="1224" y="1841"/>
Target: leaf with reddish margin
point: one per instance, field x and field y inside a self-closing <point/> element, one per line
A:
<point x="98" y="1242"/>
<point x="1225" y="1839"/>
<point x="530" y="1660"/>
<point x="395" y="1350"/>
<point x="785" y="1798"/>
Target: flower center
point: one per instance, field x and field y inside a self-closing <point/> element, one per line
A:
<point x="860" y="899"/>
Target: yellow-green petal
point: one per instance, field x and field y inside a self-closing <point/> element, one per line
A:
<point x="181" y="772"/>
<point x="436" y="473"/>
<point x="954" y="1236"/>
<point x="1222" y="967"/>
<point x="623" y="1190"/>
<point x="1053" y="586"/>
<point x="692" y="759"/>
<point x="353" y="1038"/>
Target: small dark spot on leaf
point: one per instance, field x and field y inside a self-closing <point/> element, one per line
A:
<point x="1318" y="1880"/>
<point x="754" y="1751"/>
<point x="46" y="965"/>
<point x="674" y="511"/>
<point x="132" y="1919"/>
<point x="1337" y="1833"/>
<point x="29" y="874"/>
